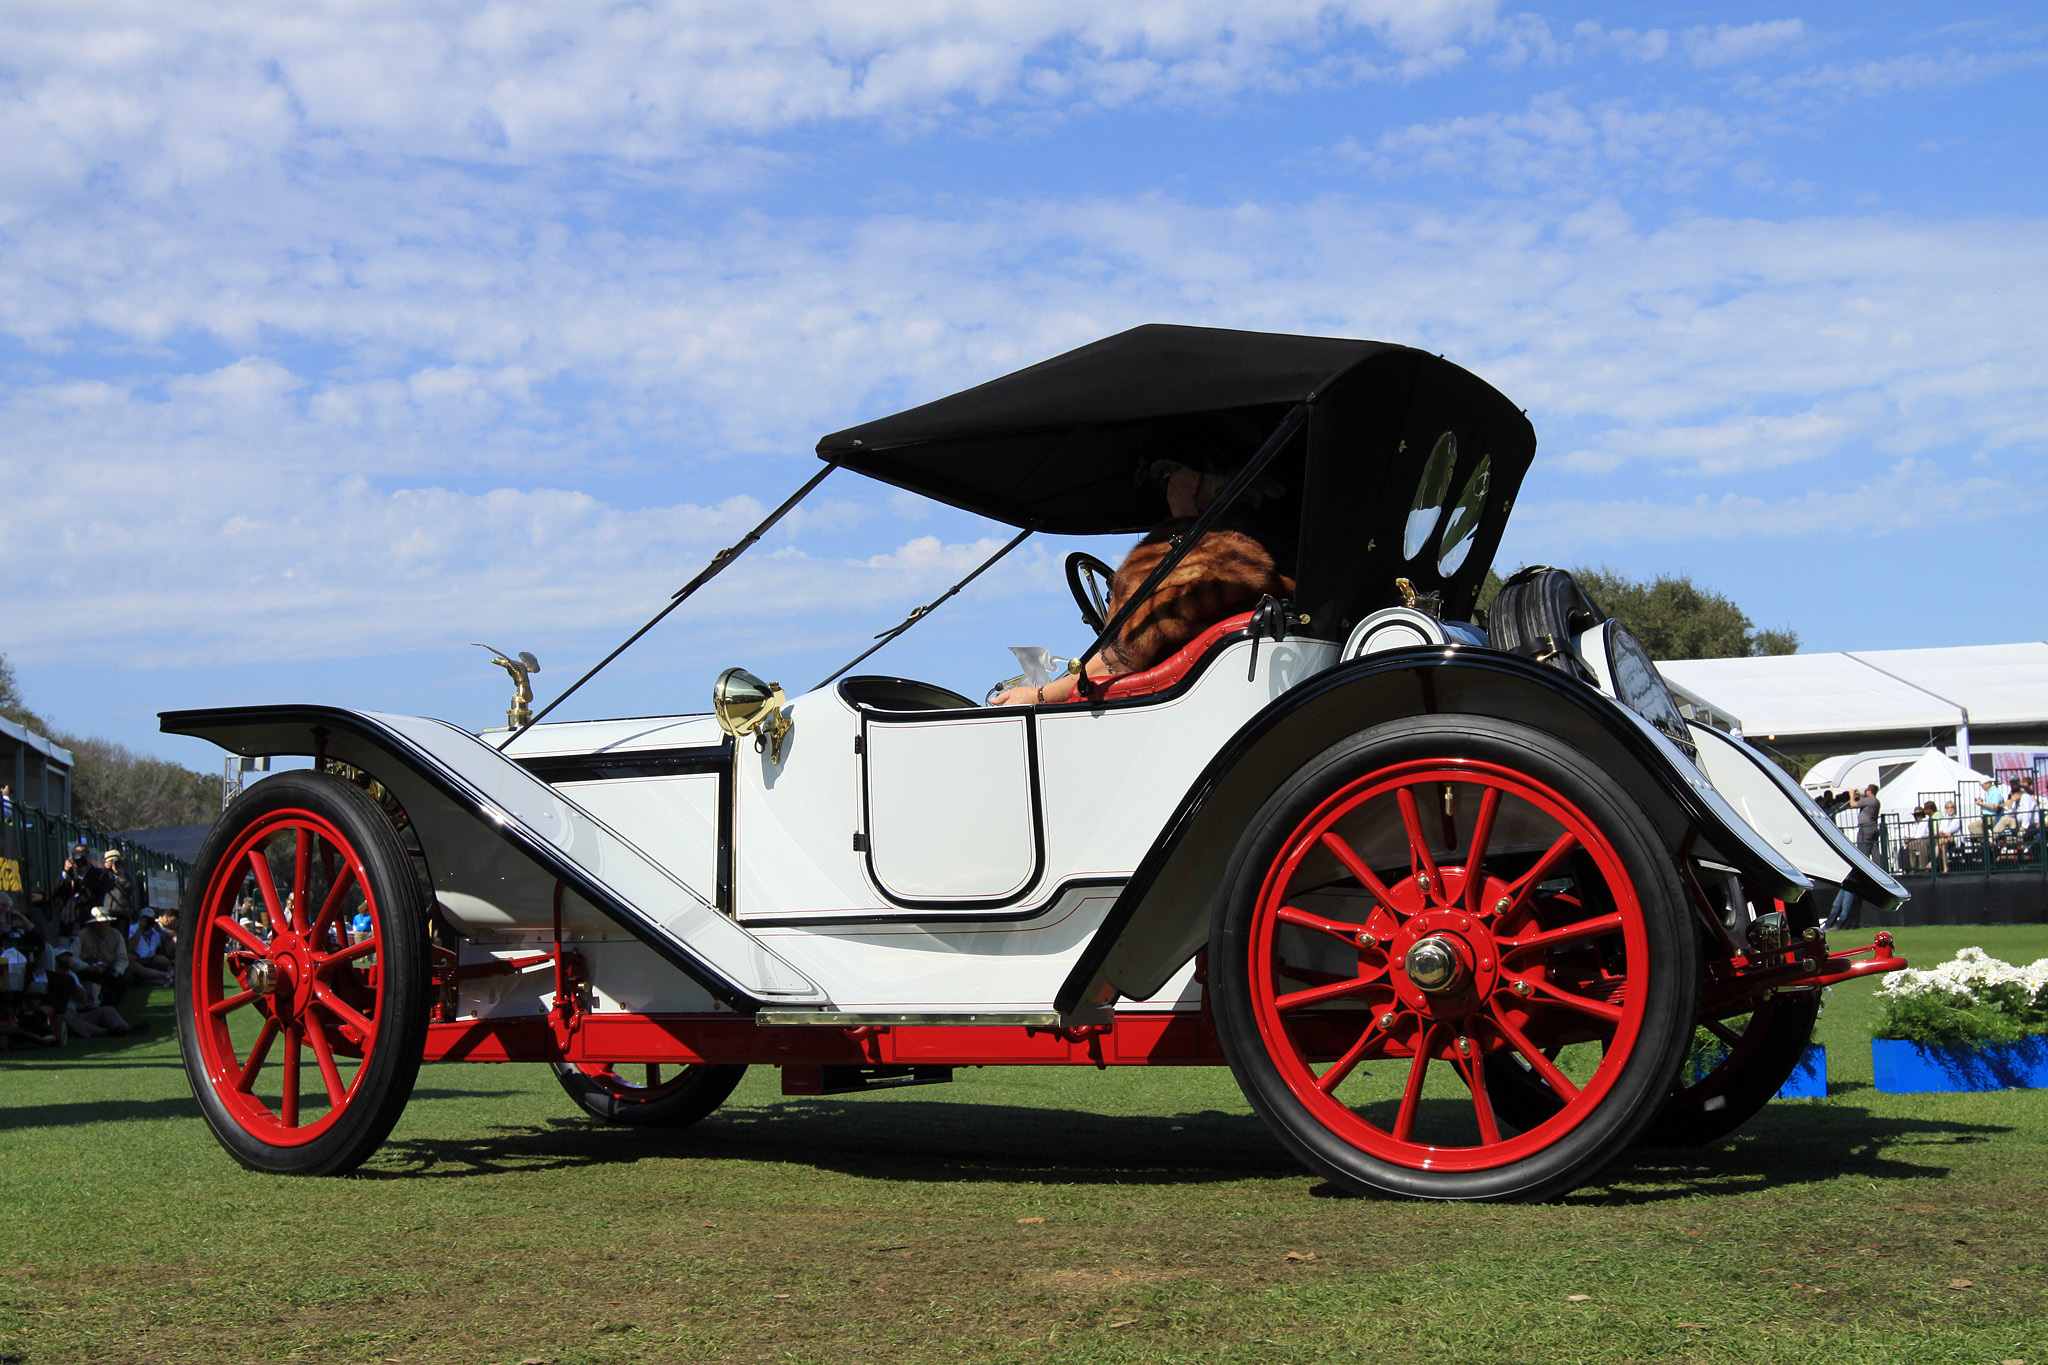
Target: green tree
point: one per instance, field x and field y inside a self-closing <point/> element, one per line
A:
<point x="11" y="704"/>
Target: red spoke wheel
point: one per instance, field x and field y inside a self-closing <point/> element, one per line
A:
<point x="303" y="976"/>
<point x="650" y="1096"/>
<point x="1427" y="903"/>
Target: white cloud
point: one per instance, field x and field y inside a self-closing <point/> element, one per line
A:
<point x="1724" y="44"/>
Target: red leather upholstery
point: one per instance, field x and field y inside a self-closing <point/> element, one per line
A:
<point x="1169" y="670"/>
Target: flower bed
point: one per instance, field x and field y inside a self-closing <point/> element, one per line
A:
<point x="1972" y="1023"/>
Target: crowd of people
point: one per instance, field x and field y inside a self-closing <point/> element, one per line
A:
<point x="2007" y="814"/>
<point x="69" y="957"/>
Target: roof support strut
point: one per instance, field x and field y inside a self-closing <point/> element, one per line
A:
<point x="716" y="567"/>
<point x="928" y="608"/>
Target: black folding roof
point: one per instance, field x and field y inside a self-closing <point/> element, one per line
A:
<point x="1053" y="446"/>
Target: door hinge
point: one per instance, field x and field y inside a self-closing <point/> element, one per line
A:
<point x="859" y="747"/>
<point x="860" y="842"/>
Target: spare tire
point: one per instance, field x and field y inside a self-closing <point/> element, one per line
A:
<point x="1536" y="614"/>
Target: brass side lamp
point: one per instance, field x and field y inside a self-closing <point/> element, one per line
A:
<point x="521" y="666"/>
<point x="745" y="705"/>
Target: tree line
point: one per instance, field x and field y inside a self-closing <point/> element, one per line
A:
<point x="112" y="786"/>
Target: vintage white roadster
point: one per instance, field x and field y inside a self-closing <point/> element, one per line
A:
<point x="1456" y="902"/>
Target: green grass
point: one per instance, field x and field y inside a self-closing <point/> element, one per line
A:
<point x="499" y="1227"/>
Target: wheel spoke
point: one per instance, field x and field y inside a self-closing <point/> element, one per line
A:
<point x="1597" y="927"/>
<point x="1411" y="1094"/>
<point x="1475" y="859"/>
<point x="289" y="1110"/>
<point x="1349" y="933"/>
<point x="258" y="1051"/>
<point x="1518" y="894"/>
<point x="233" y="929"/>
<point x="1315" y="995"/>
<point x="1473" y="1069"/>
<point x="348" y="954"/>
<point x="1599" y="1009"/>
<point x="273" y="908"/>
<point x="1343" y="1066"/>
<point x="1543" y="1065"/>
<point x="1420" y="859"/>
<point x="323" y="1053"/>
<point x="1723" y="1032"/>
<point x="233" y="1002"/>
<point x="337" y="891"/>
<point x="345" y="1012"/>
<point x="302" y="860"/>
<point x="1355" y="866"/>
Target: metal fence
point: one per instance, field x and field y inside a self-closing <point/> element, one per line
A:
<point x="34" y="844"/>
<point x="1972" y="841"/>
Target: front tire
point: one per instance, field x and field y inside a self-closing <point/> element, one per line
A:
<point x="607" y="1094"/>
<point x="1357" y="924"/>
<point x="303" y="1026"/>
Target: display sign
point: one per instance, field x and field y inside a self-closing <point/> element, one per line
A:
<point x="10" y="874"/>
<point x="163" y="890"/>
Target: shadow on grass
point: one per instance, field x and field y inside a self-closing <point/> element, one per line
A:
<point x="930" y="1141"/>
<point x="61" y="1115"/>
<point x="936" y="1142"/>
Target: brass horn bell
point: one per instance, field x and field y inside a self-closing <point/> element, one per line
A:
<point x="745" y="705"/>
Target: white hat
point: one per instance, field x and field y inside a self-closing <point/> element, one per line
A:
<point x="100" y="915"/>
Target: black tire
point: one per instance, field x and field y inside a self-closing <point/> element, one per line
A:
<point x="675" y="1102"/>
<point x="386" y="987"/>
<point x="1660" y="963"/>
<point x="1536" y="614"/>
<point x="1703" y="1108"/>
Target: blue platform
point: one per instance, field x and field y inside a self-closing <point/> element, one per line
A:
<point x="1924" y="1068"/>
<point x="1809" y="1080"/>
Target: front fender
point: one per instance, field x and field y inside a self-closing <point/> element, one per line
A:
<point x="497" y="835"/>
<point x="1162" y="917"/>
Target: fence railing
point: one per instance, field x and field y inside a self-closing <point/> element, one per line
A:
<point x="1977" y="843"/>
<point x="34" y="844"/>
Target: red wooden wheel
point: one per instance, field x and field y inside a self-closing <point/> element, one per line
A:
<point x="653" y="1095"/>
<point x="301" y="995"/>
<point x="1409" y="923"/>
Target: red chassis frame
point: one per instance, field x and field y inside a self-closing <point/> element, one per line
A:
<point x="570" y="1033"/>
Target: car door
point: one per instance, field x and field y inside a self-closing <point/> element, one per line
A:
<point x="952" y="809"/>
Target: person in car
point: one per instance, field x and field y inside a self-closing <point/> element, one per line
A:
<point x="1227" y="572"/>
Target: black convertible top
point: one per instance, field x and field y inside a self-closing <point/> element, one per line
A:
<point x="1063" y="446"/>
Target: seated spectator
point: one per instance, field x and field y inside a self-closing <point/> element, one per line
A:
<point x="53" y="924"/>
<point x="1949" y="835"/>
<point x="2024" y="806"/>
<point x="102" y="957"/>
<point x="1992" y="802"/>
<point x="72" y="1006"/>
<point x="24" y="1025"/>
<point x="1920" y="843"/>
<point x="149" y="952"/>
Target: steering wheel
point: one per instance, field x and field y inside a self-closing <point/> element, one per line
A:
<point x="1088" y="578"/>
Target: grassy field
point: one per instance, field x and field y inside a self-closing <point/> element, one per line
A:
<point x="499" y="1227"/>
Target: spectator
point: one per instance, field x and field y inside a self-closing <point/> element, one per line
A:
<point x="120" y="897"/>
<point x="1869" y="834"/>
<point x="72" y="1006"/>
<point x="102" y="957"/>
<point x="149" y="952"/>
<point x="1920" y="844"/>
<point x="1991" y="800"/>
<point x="55" y="929"/>
<point x="2024" y="806"/>
<point x="1950" y="835"/>
<point x="84" y="883"/>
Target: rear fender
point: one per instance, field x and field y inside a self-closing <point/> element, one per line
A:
<point x="1162" y="917"/>
<point x="499" y="839"/>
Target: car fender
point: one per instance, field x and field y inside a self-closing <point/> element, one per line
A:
<point x="1162" y="917"/>
<point x="494" y="832"/>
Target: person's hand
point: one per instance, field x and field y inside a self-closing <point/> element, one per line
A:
<point x="1019" y="696"/>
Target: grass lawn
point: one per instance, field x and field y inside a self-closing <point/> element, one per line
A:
<point x="498" y="1226"/>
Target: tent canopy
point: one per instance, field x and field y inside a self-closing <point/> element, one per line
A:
<point x="1829" y="699"/>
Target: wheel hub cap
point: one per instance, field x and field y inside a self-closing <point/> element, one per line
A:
<point x="1434" y="965"/>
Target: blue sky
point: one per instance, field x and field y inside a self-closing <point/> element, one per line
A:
<point x="334" y="337"/>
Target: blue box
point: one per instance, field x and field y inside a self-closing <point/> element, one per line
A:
<point x="1809" y="1079"/>
<point x="1923" y="1068"/>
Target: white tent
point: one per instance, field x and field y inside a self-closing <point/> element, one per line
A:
<point x="1861" y="700"/>
<point x="1904" y="777"/>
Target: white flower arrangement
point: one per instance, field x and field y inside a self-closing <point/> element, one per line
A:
<point x="1967" y="974"/>
<point x="1972" y="996"/>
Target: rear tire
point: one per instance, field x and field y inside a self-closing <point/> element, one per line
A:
<point x="673" y="1102"/>
<point x="1569" y="930"/>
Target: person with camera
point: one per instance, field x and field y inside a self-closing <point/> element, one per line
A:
<point x="119" y="899"/>
<point x="72" y="1005"/>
